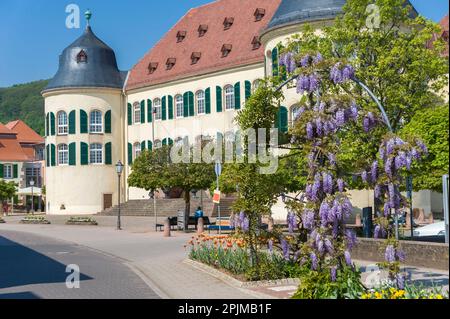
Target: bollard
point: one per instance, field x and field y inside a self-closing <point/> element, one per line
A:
<point x="270" y="224"/>
<point x="200" y="225"/>
<point x="167" y="228"/>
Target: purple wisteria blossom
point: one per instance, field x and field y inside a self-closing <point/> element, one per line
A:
<point x="318" y="58"/>
<point x="364" y="176"/>
<point x="374" y="172"/>
<point x="327" y="183"/>
<point x="341" y="184"/>
<point x="314" y="263"/>
<point x="309" y="131"/>
<point x="270" y="245"/>
<point x="351" y="238"/>
<point x="333" y="273"/>
<point x="348" y="258"/>
<point x="285" y="248"/>
<point x="308" y="219"/>
<point x="339" y="74"/>
<point x="340" y="118"/>
<point x="304" y="62"/>
<point x="389" y="254"/>
<point x="291" y="221"/>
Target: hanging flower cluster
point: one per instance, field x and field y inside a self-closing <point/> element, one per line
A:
<point x="240" y="221"/>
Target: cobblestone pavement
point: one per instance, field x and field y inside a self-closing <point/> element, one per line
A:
<point x="35" y="267"/>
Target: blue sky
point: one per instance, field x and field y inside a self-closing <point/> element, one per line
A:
<point x="33" y="32"/>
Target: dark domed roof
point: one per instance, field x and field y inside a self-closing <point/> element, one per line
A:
<point x="87" y="62"/>
<point x="299" y="11"/>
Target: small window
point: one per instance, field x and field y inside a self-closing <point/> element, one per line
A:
<point x="229" y="97"/>
<point x="63" y="154"/>
<point x="200" y="97"/>
<point x="82" y="57"/>
<point x="228" y="22"/>
<point x="202" y="29"/>
<point x="157" y="109"/>
<point x="181" y="35"/>
<point x="226" y="49"/>
<point x="7" y="171"/>
<point x="95" y="122"/>
<point x="195" y="57"/>
<point x="259" y="14"/>
<point x="62" y="123"/>
<point x="96" y="153"/>
<point x="256" y="43"/>
<point x="152" y="66"/>
<point x="137" y="113"/>
<point x="158" y="144"/>
<point x="179" y="106"/>
<point x="170" y="63"/>
<point x="137" y="149"/>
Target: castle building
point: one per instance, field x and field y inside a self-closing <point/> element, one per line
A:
<point x="190" y="84"/>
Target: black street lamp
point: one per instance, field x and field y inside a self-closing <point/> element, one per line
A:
<point x="32" y="196"/>
<point x="119" y="169"/>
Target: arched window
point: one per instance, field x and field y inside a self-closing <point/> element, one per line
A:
<point x="158" y="144"/>
<point x="136" y="149"/>
<point x="179" y="105"/>
<point x="63" y="154"/>
<point x="201" y="106"/>
<point x="229" y="97"/>
<point x="179" y="141"/>
<point x="137" y="112"/>
<point x="82" y="57"/>
<point x="157" y="106"/>
<point x="62" y="123"/>
<point x="95" y="122"/>
<point x="96" y="153"/>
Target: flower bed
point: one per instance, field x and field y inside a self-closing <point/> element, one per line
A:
<point x="34" y="220"/>
<point x="410" y="292"/>
<point x="81" y="221"/>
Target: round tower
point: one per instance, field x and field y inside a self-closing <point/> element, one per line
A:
<point x="83" y="109"/>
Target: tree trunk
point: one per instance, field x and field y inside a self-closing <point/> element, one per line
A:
<point x="187" y="209"/>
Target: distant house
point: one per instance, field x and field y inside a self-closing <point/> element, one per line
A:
<point x="443" y="34"/>
<point x="22" y="158"/>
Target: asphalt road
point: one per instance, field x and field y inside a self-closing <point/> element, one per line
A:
<point x="33" y="267"/>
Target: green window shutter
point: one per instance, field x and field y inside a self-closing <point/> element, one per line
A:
<point x="108" y="121"/>
<point x="150" y="145"/>
<point x="72" y="154"/>
<point x="108" y="154"/>
<point x="237" y="95"/>
<point x="163" y="108"/>
<point x="275" y="62"/>
<point x="282" y="119"/>
<point x="208" y="100"/>
<point x="84" y="152"/>
<point x="47" y="155"/>
<point x="1" y="171"/>
<point x="52" y="124"/>
<point x="164" y="142"/>
<point x="129" y="114"/>
<point x="185" y="104"/>
<point x="83" y="122"/>
<point x="142" y="111"/>
<point x="218" y="99"/>
<point x="170" y="141"/>
<point x="170" y="100"/>
<point x="149" y="111"/>
<point x="191" y="104"/>
<point x="248" y="90"/>
<point x="72" y="128"/>
<point x="15" y="171"/>
<point x="53" y="154"/>
<point x="47" y="125"/>
<point x="142" y="146"/>
<point x="130" y="154"/>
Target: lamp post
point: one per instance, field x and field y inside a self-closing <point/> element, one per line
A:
<point x="119" y="169"/>
<point x="153" y="146"/>
<point x="32" y="196"/>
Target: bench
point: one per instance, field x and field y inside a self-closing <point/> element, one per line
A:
<point x="173" y="221"/>
<point x="192" y="221"/>
<point x="222" y="223"/>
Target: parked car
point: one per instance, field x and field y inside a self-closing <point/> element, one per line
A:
<point x="436" y="229"/>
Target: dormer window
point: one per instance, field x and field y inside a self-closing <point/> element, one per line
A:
<point x="195" y="57"/>
<point x="202" y="29"/>
<point x="259" y="14"/>
<point x="181" y="35"/>
<point x="226" y="49"/>
<point x="256" y="43"/>
<point x="228" y="22"/>
<point x="82" y="57"/>
<point x="170" y="63"/>
<point x="152" y="66"/>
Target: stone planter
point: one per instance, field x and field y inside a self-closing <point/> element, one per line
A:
<point x="35" y="221"/>
<point x="81" y="223"/>
<point x="2" y="221"/>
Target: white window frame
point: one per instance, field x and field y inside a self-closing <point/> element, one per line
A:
<point x="137" y="113"/>
<point x="158" y="109"/>
<point x="158" y="144"/>
<point x="63" y="154"/>
<point x="229" y="97"/>
<point x="63" y="124"/>
<point x="96" y="122"/>
<point x="179" y="106"/>
<point x="137" y="150"/>
<point x="96" y="153"/>
<point x="7" y="171"/>
<point x="201" y="102"/>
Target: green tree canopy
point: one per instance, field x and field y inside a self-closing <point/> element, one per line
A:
<point x="7" y="189"/>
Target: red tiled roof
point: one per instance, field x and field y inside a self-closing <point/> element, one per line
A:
<point x="25" y="134"/>
<point x="444" y="23"/>
<point x="240" y="35"/>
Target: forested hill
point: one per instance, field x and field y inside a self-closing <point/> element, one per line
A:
<point x="24" y="102"/>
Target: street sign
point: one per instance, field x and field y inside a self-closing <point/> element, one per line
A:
<point x="216" y="197"/>
<point x="218" y="169"/>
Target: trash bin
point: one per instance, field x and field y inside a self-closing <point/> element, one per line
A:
<point x="367" y="222"/>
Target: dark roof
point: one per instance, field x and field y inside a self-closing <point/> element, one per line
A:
<point x="100" y="70"/>
<point x="299" y="11"/>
